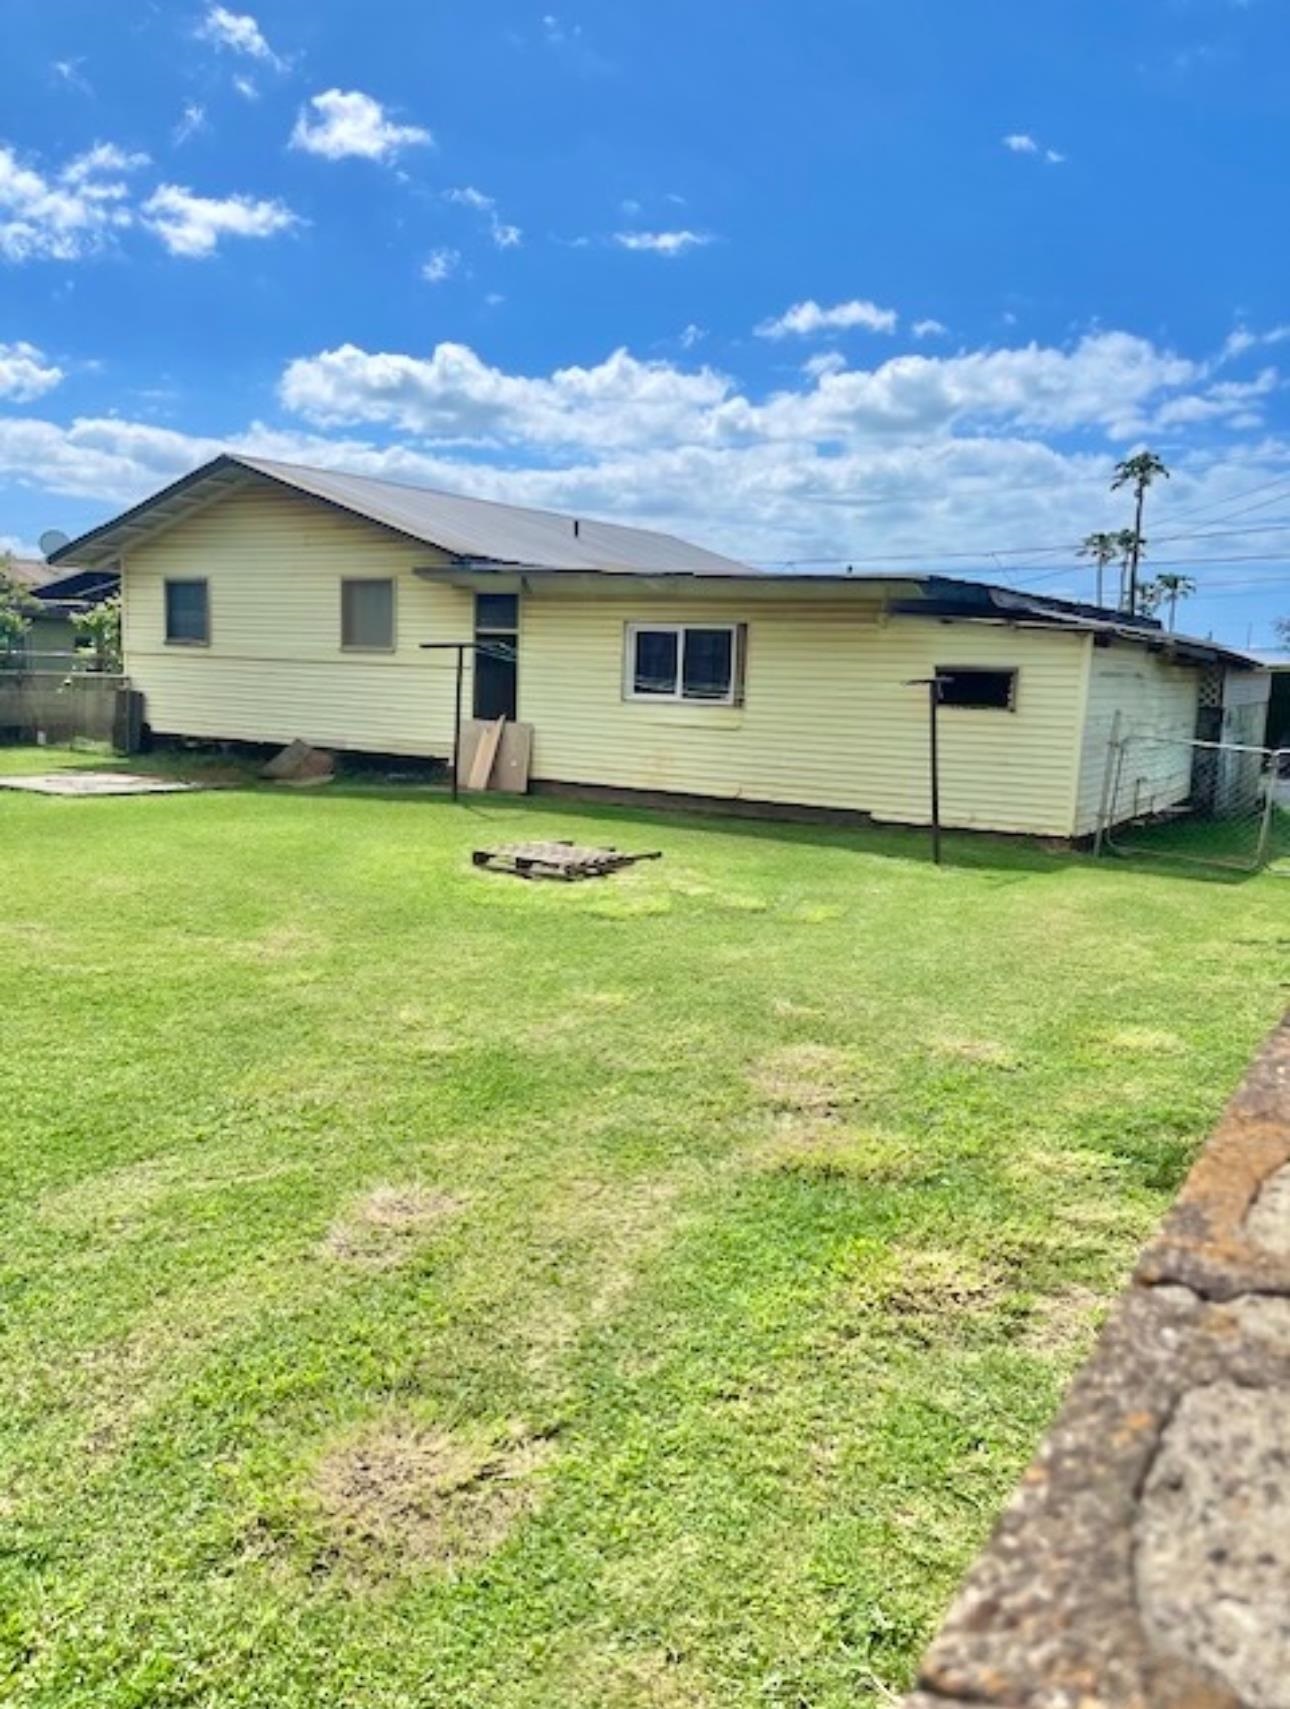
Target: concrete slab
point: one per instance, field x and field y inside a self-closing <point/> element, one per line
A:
<point x="82" y="783"/>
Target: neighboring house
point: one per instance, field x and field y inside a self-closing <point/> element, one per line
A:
<point x="1278" y="729"/>
<point x="264" y="601"/>
<point x="59" y="595"/>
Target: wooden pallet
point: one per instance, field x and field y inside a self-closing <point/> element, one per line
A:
<point x="565" y="861"/>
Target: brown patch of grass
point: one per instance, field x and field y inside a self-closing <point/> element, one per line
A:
<point x="1143" y="1041"/>
<point x="980" y="1052"/>
<point x="387" y="1226"/>
<point x="650" y="1679"/>
<point x="809" y="1079"/>
<point x="1064" y="1323"/>
<point x="401" y="1498"/>
<point x="829" y="1151"/>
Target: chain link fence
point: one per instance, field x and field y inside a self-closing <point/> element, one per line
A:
<point x="1220" y="804"/>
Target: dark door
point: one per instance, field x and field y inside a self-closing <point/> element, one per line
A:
<point x="497" y="634"/>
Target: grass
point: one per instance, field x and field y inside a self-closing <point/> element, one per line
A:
<point x="424" y="1288"/>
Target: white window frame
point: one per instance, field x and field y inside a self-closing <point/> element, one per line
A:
<point x="678" y="697"/>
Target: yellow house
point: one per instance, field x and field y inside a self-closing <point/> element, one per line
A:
<point x="264" y="601"/>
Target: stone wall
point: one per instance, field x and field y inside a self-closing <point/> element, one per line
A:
<point x="1145" y="1560"/>
<point x="56" y="706"/>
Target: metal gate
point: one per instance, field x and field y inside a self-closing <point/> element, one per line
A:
<point x="1220" y="804"/>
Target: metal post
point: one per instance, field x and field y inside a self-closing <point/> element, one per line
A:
<point x="1110" y="783"/>
<point x="1269" y="808"/>
<point x="933" y="685"/>
<point x="456" y="725"/>
<point x="934" y="757"/>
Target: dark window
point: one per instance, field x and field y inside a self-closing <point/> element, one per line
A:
<point x="708" y="664"/>
<point x="188" y="621"/>
<point x="497" y="626"/>
<point x="497" y="611"/>
<point x="966" y="685"/>
<point x="367" y="615"/>
<point x="655" y="664"/>
<point x="679" y="662"/>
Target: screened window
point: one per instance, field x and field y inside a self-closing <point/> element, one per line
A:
<point x="367" y="615"/>
<point x="681" y="661"/>
<point x="188" y="617"/>
<point x="967" y="685"/>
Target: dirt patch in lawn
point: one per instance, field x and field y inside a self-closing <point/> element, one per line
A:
<point x="816" y="1149"/>
<point x="1064" y="1323"/>
<point x="808" y="1079"/>
<point x="388" y="1226"/>
<point x="978" y="1052"/>
<point x="401" y="1497"/>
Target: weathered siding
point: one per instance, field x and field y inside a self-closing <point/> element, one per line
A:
<point x="828" y="719"/>
<point x="1154" y="699"/>
<point x="274" y="668"/>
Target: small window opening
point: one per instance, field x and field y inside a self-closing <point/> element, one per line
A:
<point x="969" y="686"/>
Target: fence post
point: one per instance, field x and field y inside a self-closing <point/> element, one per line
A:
<point x="1269" y="808"/>
<point x="1111" y="769"/>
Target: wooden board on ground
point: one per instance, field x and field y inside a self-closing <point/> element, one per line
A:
<point x="561" y="860"/>
<point x="481" y="766"/>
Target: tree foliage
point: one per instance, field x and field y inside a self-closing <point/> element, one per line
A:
<point x="16" y="607"/>
<point x="99" y="631"/>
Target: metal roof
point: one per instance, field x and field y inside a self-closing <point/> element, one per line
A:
<point x="28" y="572"/>
<point x="481" y="538"/>
<point x="470" y="529"/>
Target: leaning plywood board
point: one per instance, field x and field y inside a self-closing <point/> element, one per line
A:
<point x="511" y="773"/>
<point x="481" y="766"/>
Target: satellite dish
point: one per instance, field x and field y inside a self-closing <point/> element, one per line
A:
<point x="53" y="540"/>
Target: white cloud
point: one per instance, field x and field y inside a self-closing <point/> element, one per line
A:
<point x="824" y="362"/>
<point x="68" y="71"/>
<point x="921" y="454"/>
<point x="809" y="317"/>
<point x="25" y="373"/>
<point x="191" y="121"/>
<point x="1106" y="382"/>
<point x="929" y="329"/>
<point x="73" y="214"/>
<point x="503" y="234"/>
<point x="1242" y="339"/>
<point x="239" y="32"/>
<point x="691" y="335"/>
<point x="247" y="88"/>
<point x="193" y="226"/>
<point x="456" y="396"/>
<point x="345" y="123"/>
<point x="1021" y="142"/>
<point x="669" y="243"/>
<point x="439" y="265"/>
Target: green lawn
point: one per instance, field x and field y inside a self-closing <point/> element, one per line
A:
<point x="420" y="1288"/>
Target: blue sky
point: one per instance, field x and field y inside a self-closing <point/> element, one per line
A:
<point x="828" y="280"/>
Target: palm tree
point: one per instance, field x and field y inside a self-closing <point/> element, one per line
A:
<point x="1138" y="472"/>
<point x="1173" y="587"/>
<point x="1103" y="548"/>
<point x="1130" y="548"/>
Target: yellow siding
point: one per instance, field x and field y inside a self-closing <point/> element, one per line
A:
<point x="1153" y="698"/>
<point x="275" y="668"/>
<point x="828" y="719"/>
